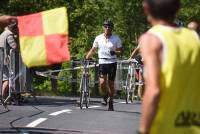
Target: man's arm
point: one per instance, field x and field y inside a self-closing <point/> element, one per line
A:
<point x="90" y="53"/>
<point x="151" y="52"/>
<point x="134" y="53"/>
<point x="6" y="20"/>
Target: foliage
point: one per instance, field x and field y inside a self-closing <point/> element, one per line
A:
<point x="85" y="21"/>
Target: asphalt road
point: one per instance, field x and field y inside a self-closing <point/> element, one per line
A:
<point x="62" y="115"/>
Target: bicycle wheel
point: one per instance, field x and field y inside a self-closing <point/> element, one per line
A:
<point x="81" y="93"/>
<point x="141" y="85"/>
<point x="87" y="99"/>
<point x="87" y="93"/>
<point x="127" y="89"/>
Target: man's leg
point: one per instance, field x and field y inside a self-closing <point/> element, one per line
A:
<point x="111" y="95"/>
<point x="111" y="79"/>
<point x="5" y="88"/>
<point x="103" y="88"/>
<point x="111" y="89"/>
<point x="103" y="82"/>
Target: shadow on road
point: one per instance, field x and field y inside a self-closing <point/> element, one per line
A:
<point x="49" y="101"/>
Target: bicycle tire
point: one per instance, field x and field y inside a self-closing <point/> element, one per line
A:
<point x="127" y="90"/>
<point x="81" y="99"/>
<point x="127" y="96"/>
<point x="132" y="97"/>
<point x="81" y="93"/>
<point x="87" y="100"/>
<point x="87" y="94"/>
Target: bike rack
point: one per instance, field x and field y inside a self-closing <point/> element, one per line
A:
<point x="130" y="82"/>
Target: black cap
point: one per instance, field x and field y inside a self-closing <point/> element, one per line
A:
<point x="108" y="23"/>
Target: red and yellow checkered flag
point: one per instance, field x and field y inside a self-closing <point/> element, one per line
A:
<point x="44" y="37"/>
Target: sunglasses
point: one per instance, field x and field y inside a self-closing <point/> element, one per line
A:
<point x="108" y="26"/>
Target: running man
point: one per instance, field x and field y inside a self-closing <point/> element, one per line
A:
<point x="172" y="62"/>
<point x="109" y="46"/>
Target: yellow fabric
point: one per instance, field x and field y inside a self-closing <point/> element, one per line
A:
<point x="179" y="107"/>
<point x="55" y="21"/>
<point x="38" y="56"/>
<point x="45" y="42"/>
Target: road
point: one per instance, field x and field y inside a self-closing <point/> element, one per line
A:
<point x="62" y="115"/>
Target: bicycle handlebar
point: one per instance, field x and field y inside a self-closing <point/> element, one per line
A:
<point x="84" y="61"/>
<point x="128" y="61"/>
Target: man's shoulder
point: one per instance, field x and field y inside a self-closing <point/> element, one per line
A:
<point x="100" y="36"/>
<point x="149" y="41"/>
<point x="6" y="33"/>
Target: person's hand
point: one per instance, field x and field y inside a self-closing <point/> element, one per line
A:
<point x="86" y="57"/>
<point x="112" y="53"/>
<point x="6" y="20"/>
<point x="129" y="59"/>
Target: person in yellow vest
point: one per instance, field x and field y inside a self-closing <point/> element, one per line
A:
<point x="171" y="103"/>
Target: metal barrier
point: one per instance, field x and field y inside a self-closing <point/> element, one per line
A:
<point x="1" y="76"/>
<point x="19" y="76"/>
<point x="122" y="70"/>
<point x="75" y="76"/>
<point x="130" y="79"/>
<point x="25" y="78"/>
<point x="1" y="68"/>
<point x="120" y="80"/>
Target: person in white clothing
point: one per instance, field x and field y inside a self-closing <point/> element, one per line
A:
<point x="7" y="42"/>
<point x="109" y="46"/>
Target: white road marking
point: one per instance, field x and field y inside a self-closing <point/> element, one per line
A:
<point x="123" y="102"/>
<point x="60" y="112"/>
<point x="95" y="106"/>
<point x="36" y="122"/>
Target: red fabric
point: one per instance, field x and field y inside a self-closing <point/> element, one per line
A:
<point x="56" y="48"/>
<point x="30" y="25"/>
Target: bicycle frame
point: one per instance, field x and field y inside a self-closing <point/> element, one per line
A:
<point x="134" y="79"/>
<point x="84" y="84"/>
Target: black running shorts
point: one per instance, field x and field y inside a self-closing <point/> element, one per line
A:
<point x="108" y="69"/>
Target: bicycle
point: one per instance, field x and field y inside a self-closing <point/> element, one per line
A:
<point x="84" y="84"/>
<point x="134" y="81"/>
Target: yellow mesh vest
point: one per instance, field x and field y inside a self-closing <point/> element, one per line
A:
<point x="179" y="107"/>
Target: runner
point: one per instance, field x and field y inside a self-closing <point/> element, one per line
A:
<point x="109" y="46"/>
<point x="172" y="61"/>
<point x="194" y="26"/>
